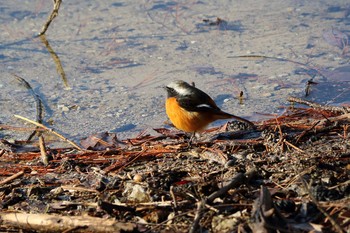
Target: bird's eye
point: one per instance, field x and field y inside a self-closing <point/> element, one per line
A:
<point x="171" y="91"/>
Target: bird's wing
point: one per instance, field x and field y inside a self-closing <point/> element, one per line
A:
<point x="200" y="102"/>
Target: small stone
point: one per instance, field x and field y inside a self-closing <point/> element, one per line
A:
<point x="57" y="191"/>
<point x="136" y="193"/>
<point x="267" y="94"/>
<point x="63" y="107"/>
<point x="137" y="178"/>
<point x="231" y="162"/>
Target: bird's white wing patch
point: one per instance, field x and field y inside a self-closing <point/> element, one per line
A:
<point x="203" y="106"/>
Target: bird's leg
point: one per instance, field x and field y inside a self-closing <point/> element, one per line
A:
<point x="192" y="139"/>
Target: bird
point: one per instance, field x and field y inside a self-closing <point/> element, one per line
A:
<point x="191" y="109"/>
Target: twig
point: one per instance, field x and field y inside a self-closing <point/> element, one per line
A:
<point x="79" y="189"/>
<point x="162" y="203"/>
<point x="345" y="134"/>
<point x="57" y="61"/>
<point x="15" y="128"/>
<point x="38" y="102"/>
<point x="281" y="139"/>
<point x="293" y="146"/>
<point x="39" y="119"/>
<point x="58" y="223"/>
<point x="49" y="130"/>
<point x="54" y="13"/>
<point x="9" y="179"/>
<point x="44" y="157"/>
<point x="306" y="131"/>
<point x="238" y="179"/>
<point x="198" y="216"/>
<point x="173" y="196"/>
<point x="340" y="184"/>
<point x="319" y="106"/>
<point x="297" y="177"/>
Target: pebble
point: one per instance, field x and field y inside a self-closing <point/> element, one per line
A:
<point x="63" y="107"/>
<point x="137" y="178"/>
<point x="266" y="94"/>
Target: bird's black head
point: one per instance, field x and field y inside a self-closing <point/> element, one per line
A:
<point x="179" y="88"/>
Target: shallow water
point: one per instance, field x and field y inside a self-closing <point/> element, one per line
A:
<point x="117" y="56"/>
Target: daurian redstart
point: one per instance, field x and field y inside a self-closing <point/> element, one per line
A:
<point x="191" y="109"/>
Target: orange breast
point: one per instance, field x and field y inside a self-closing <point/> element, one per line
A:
<point x="185" y="120"/>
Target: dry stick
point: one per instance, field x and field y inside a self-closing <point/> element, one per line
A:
<point x="14" y="176"/>
<point x="296" y="177"/>
<point x="38" y="102"/>
<point x="319" y="106"/>
<point x="205" y="203"/>
<point x="306" y="131"/>
<point x="49" y="130"/>
<point x="39" y="119"/>
<point x="79" y="189"/>
<point x="238" y="179"/>
<point x="341" y="184"/>
<point x="346" y="127"/>
<point x="281" y="140"/>
<point x="57" y="61"/>
<point x="15" y="128"/>
<point x="58" y="223"/>
<point x="293" y="146"/>
<point x="54" y="13"/>
<point x="198" y="216"/>
<point x="44" y="157"/>
<point x="173" y="196"/>
<point x="159" y="203"/>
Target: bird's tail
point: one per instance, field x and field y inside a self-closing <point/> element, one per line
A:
<point x="225" y="115"/>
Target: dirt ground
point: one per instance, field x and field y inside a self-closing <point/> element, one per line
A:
<point x="289" y="174"/>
